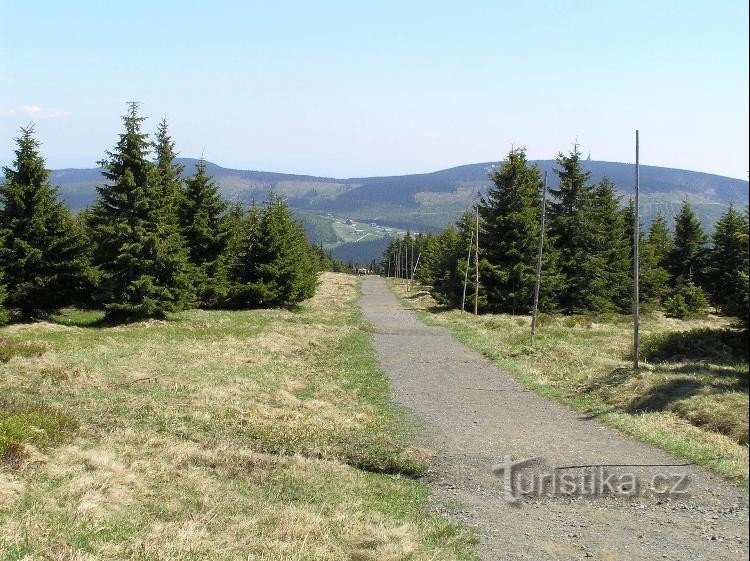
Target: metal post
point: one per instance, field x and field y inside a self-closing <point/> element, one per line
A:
<point x="476" y="263"/>
<point x="636" y="240"/>
<point x="466" y="273"/>
<point x="539" y="262"/>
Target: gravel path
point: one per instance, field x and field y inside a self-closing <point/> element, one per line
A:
<point x="475" y="415"/>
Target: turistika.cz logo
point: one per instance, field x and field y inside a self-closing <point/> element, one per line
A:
<point x="531" y="477"/>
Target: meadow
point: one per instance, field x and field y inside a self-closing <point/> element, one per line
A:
<point x="262" y="434"/>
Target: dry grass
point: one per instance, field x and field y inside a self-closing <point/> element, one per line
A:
<point x="690" y="396"/>
<point x="266" y="434"/>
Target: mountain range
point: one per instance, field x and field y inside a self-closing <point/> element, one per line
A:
<point x="428" y="201"/>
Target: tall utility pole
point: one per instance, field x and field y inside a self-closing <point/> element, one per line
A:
<point x="636" y="240"/>
<point x="539" y="261"/>
<point x="466" y="272"/>
<point x="476" y="264"/>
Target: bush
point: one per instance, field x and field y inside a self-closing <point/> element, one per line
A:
<point x="689" y="302"/>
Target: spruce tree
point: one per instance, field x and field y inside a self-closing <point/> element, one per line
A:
<point x="274" y="265"/>
<point x="687" y="260"/>
<point x="569" y="229"/>
<point x="660" y="239"/>
<point x="588" y="230"/>
<point x="441" y="259"/>
<point x="509" y="214"/>
<point x="204" y="226"/>
<point x="141" y="256"/>
<point x="654" y="278"/>
<point x="608" y="254"/>
<point x="728" y="271"/>
<point x="169" y="171"/>
<point x="43" y="253"/>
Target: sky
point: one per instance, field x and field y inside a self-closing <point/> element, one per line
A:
<point x="359" y="88"/>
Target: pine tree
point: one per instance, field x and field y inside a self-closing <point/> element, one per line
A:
<point x="140" y="253"/>
<point x="654" y="278"/>
<point x="728" y="271"/>
<point x="608" y="255"/>
<point x="687" y="260"/>
<point x="509" y="214"/>
<point x="43" y="254"/>
<point x="274" y="265"/>
<point x="569" y="229"/>
<point x="660" y="239"/>
<point x="588" y="230"/>
<point x="204" y="226"/>
<point x="169" y="171"/>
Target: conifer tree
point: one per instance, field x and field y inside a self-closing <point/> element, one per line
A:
<point x="588" y="230"/>
<point x="144" y="270"/>
<point x="569" y="230"/>
<point x="441" y="259"/>
<point x="660" y="239"/>
<point x="274" y="265"/>
<point x="43" y="253"/>
<point x="728" y="272"/>
<point x="654" y="278"/>
<point x="169" y="171"/>
<point x="608" y="254"/>
<point x="203" y="222"/>
<point x="687" y="260"/>
<point x="509" y="214"/>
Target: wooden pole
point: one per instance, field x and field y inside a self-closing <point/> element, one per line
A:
<point x="414" y="270"/>
<point x="466" y="273"/>
<point x="476" y="264"/>
<point x="539" y="262"/>
<point x="636" y="264"/>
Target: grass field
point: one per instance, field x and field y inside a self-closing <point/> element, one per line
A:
<point x="690" y="397"/>
<point x="261" y="435"/>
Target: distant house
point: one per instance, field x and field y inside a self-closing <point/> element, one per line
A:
<point x="349" y="222"/>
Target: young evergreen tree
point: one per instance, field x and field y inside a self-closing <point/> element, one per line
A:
<point x="441" y="259"/>
<point x="169" y="171"/>
<point x="654" y="249"/>
<point x="660" y="239"/>
<point x="204" y="226"/>
<point x="608" y="263"/>
<point x="569" y="229"/>
<point x="687" y="260"/>
<point x="728" y="259"/>
<point x="509" y="215"/>
<point x="141" y="256"/>
<point x="588" y="229"/>
<point x="274" y="265"/>
<point x="43" y="253"/>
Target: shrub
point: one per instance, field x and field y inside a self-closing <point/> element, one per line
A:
<point x="689" y="302"/>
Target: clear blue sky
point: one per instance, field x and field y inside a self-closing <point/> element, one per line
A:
<point x="350" y="88"/>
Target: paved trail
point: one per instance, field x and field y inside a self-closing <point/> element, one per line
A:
<point x="474" y="414"/>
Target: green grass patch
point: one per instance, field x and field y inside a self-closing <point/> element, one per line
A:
<point x="26" y="423"/>
<point x="15" y="347"/>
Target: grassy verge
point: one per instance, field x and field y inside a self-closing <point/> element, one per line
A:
<point x="264" y="434"/>
<point x="690" y="397"/>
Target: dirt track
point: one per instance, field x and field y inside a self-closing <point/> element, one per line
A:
<point x="475" y="415"/>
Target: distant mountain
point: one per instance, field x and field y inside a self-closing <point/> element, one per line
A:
<point x="430" y="201"/>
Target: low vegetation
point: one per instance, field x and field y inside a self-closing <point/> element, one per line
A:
<point x="690" y="397"/>
<point x="264" y="434"/>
